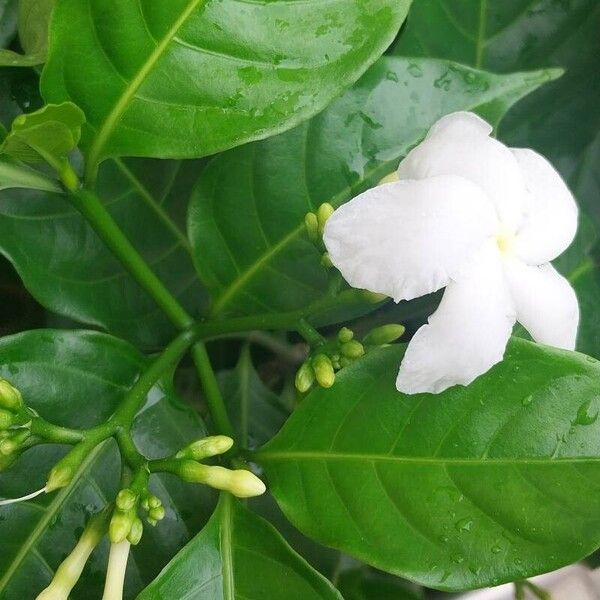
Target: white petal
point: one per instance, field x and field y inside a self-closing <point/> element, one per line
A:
<point x="468" y="332"/>
<point x="460" y="145"/>
<point x="550" y="219"/>
<point x="405" y="239"/>
<point x="546" y="303"/>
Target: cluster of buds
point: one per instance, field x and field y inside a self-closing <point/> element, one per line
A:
<point x="188" y="466"/>
<point x="14" y="433"/>
<point x="126" y="523"/>
<point x="342" y="352"/>
<point x="315" y="225"/>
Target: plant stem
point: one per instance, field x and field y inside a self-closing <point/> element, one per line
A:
<point x="309" y="333"/>
<point x="89" y="205"/>
<point x="54" y="433"/>
<point x="212" y="392"/>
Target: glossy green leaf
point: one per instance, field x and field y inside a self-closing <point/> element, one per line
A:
<point x="363" y="583"/>
<point x="16" y="175"/>
<point x="77" y="379"/>
<point x="255" y="410"/>
<point x="191" y="77"/>
<point x="69" y="270"/>
<point x="472" y="487"/>
<point x="8" y="21"/>
<point x="48" y="134"/>
<point x="268" y="265"/>
<point x="238" y="555"/>
<point x="34" y="20"/>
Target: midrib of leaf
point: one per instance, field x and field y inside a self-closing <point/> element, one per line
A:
<point x="267" y="456"/>
<point x="107" y="127"/>
<point x="225" y="533"/>
<point x="154" y="205"/>
<point x="53" y="508"/>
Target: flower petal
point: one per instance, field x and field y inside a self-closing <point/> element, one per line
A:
<point x="405" y="239"/>
<point x="546" y="303"/>
<point x="550" y="219"/>
<point x="459" y="144"/>
<point x="468" y="332"/>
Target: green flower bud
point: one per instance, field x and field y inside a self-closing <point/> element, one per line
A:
<point x="345" y="335"/>
<point x="145" y="504"/>
<point x="126" y="499"/>
<point x="64" y="470"/>
<point x="386" y="334"/>
<point x="120" y="525"/>
<point x="6" y="419"/>
<point x="323" y="370"/>
<point x="323" y="213"/>
<point x="352" y="349"/>
<point x="158" y="513"/>
<point x="241" y="483"/>
<point x="345" y="361"/>
<point x="154" y="502"/>
<point x="13" y="443"/>
<point x="312" y="226"/>
<point x="10" y="397"/>
<point x="151" y="522"/>
<point x="136" y="532"/>
<point x="206" y="447"/>
<point x="305" y="377"/>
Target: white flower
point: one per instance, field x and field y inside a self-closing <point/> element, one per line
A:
<point x="480" y="219"/>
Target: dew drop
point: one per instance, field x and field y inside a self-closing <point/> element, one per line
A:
<point x="496" y="549"/>
<point x="464" y="525"/>
<point x="527" y="400"/>
<point x="415" y="70"/>
<point x="584" y="415"/>
<point x="458" y="559"/>
<point x="391" y="76"/>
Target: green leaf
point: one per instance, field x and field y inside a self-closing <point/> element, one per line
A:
<point x="473" y="487"/>
<point x="256" y="411"/>
<point x="193" y="77"/>
<point x="268" y="265"/>
<point x="48" y="134"/>
<point x="238" y="555"/>
<point x="8" y="21"/>
<point x="34" y="20"/>
<point x="68" y="269"/>
<point x="77" y="379"/>
<point x="16" y="175"/>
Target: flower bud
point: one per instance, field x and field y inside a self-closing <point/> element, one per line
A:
<point x="158" y="513"/>
<point x="136" y="532"/>
<point x="154" y="502"/>
<point x="305" y="377"/>
<point x="386" y="334"/>
<point x="352" y="349"/>
<point x="115" y="574"/>
<point x="345" y="335"/>
<point x="126" y="499"/>
<point x="326" y="260"/>
<point x="10" y="397"/>
<point x="120" y="525"/>
<point x="206" y="447"/>
<point x="323" y="370"/>
<point x="323" y="213"/>
<point x="64" y="470"/>
<point x="312" y="226"/>
<point x="6" y="419"/>
<point x="13" y="443"/>
<point x="245" y="484"/>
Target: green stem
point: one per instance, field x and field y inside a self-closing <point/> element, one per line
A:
<point x="54" y="433"/>
<point x="214" y="398"/>
<point x="309" y="333"/>
<point x="129" y="452"/>
<point x="90" y="206"/>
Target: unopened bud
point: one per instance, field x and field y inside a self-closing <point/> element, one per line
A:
<point x="158" y="513"/>
<point x="6" y="419"/>
<point x="14" y="442"/>
<point x="386" y="334"/>
<point x="323" y="213"/>
<point x="120" y="525"/>
<point x="305" y="377"/>
<point x="10" y="397"/>
<point x="345" y="335"/>
<point x="154" y="502"/>
<point x="64" y="470"/>
<point x="245" y="484"/>
<point x="389" y="178"/>
<point x="126" y="499"/>
<point x="312" y="226"/>
<point x="136" y="532"/>
<point x="206" y="447"/>
<point x="352" y="349"/>
<point x="326" y="261"/>
<point x="323" y="369"/>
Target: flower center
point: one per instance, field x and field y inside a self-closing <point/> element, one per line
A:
<point x="505" y="239"/>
